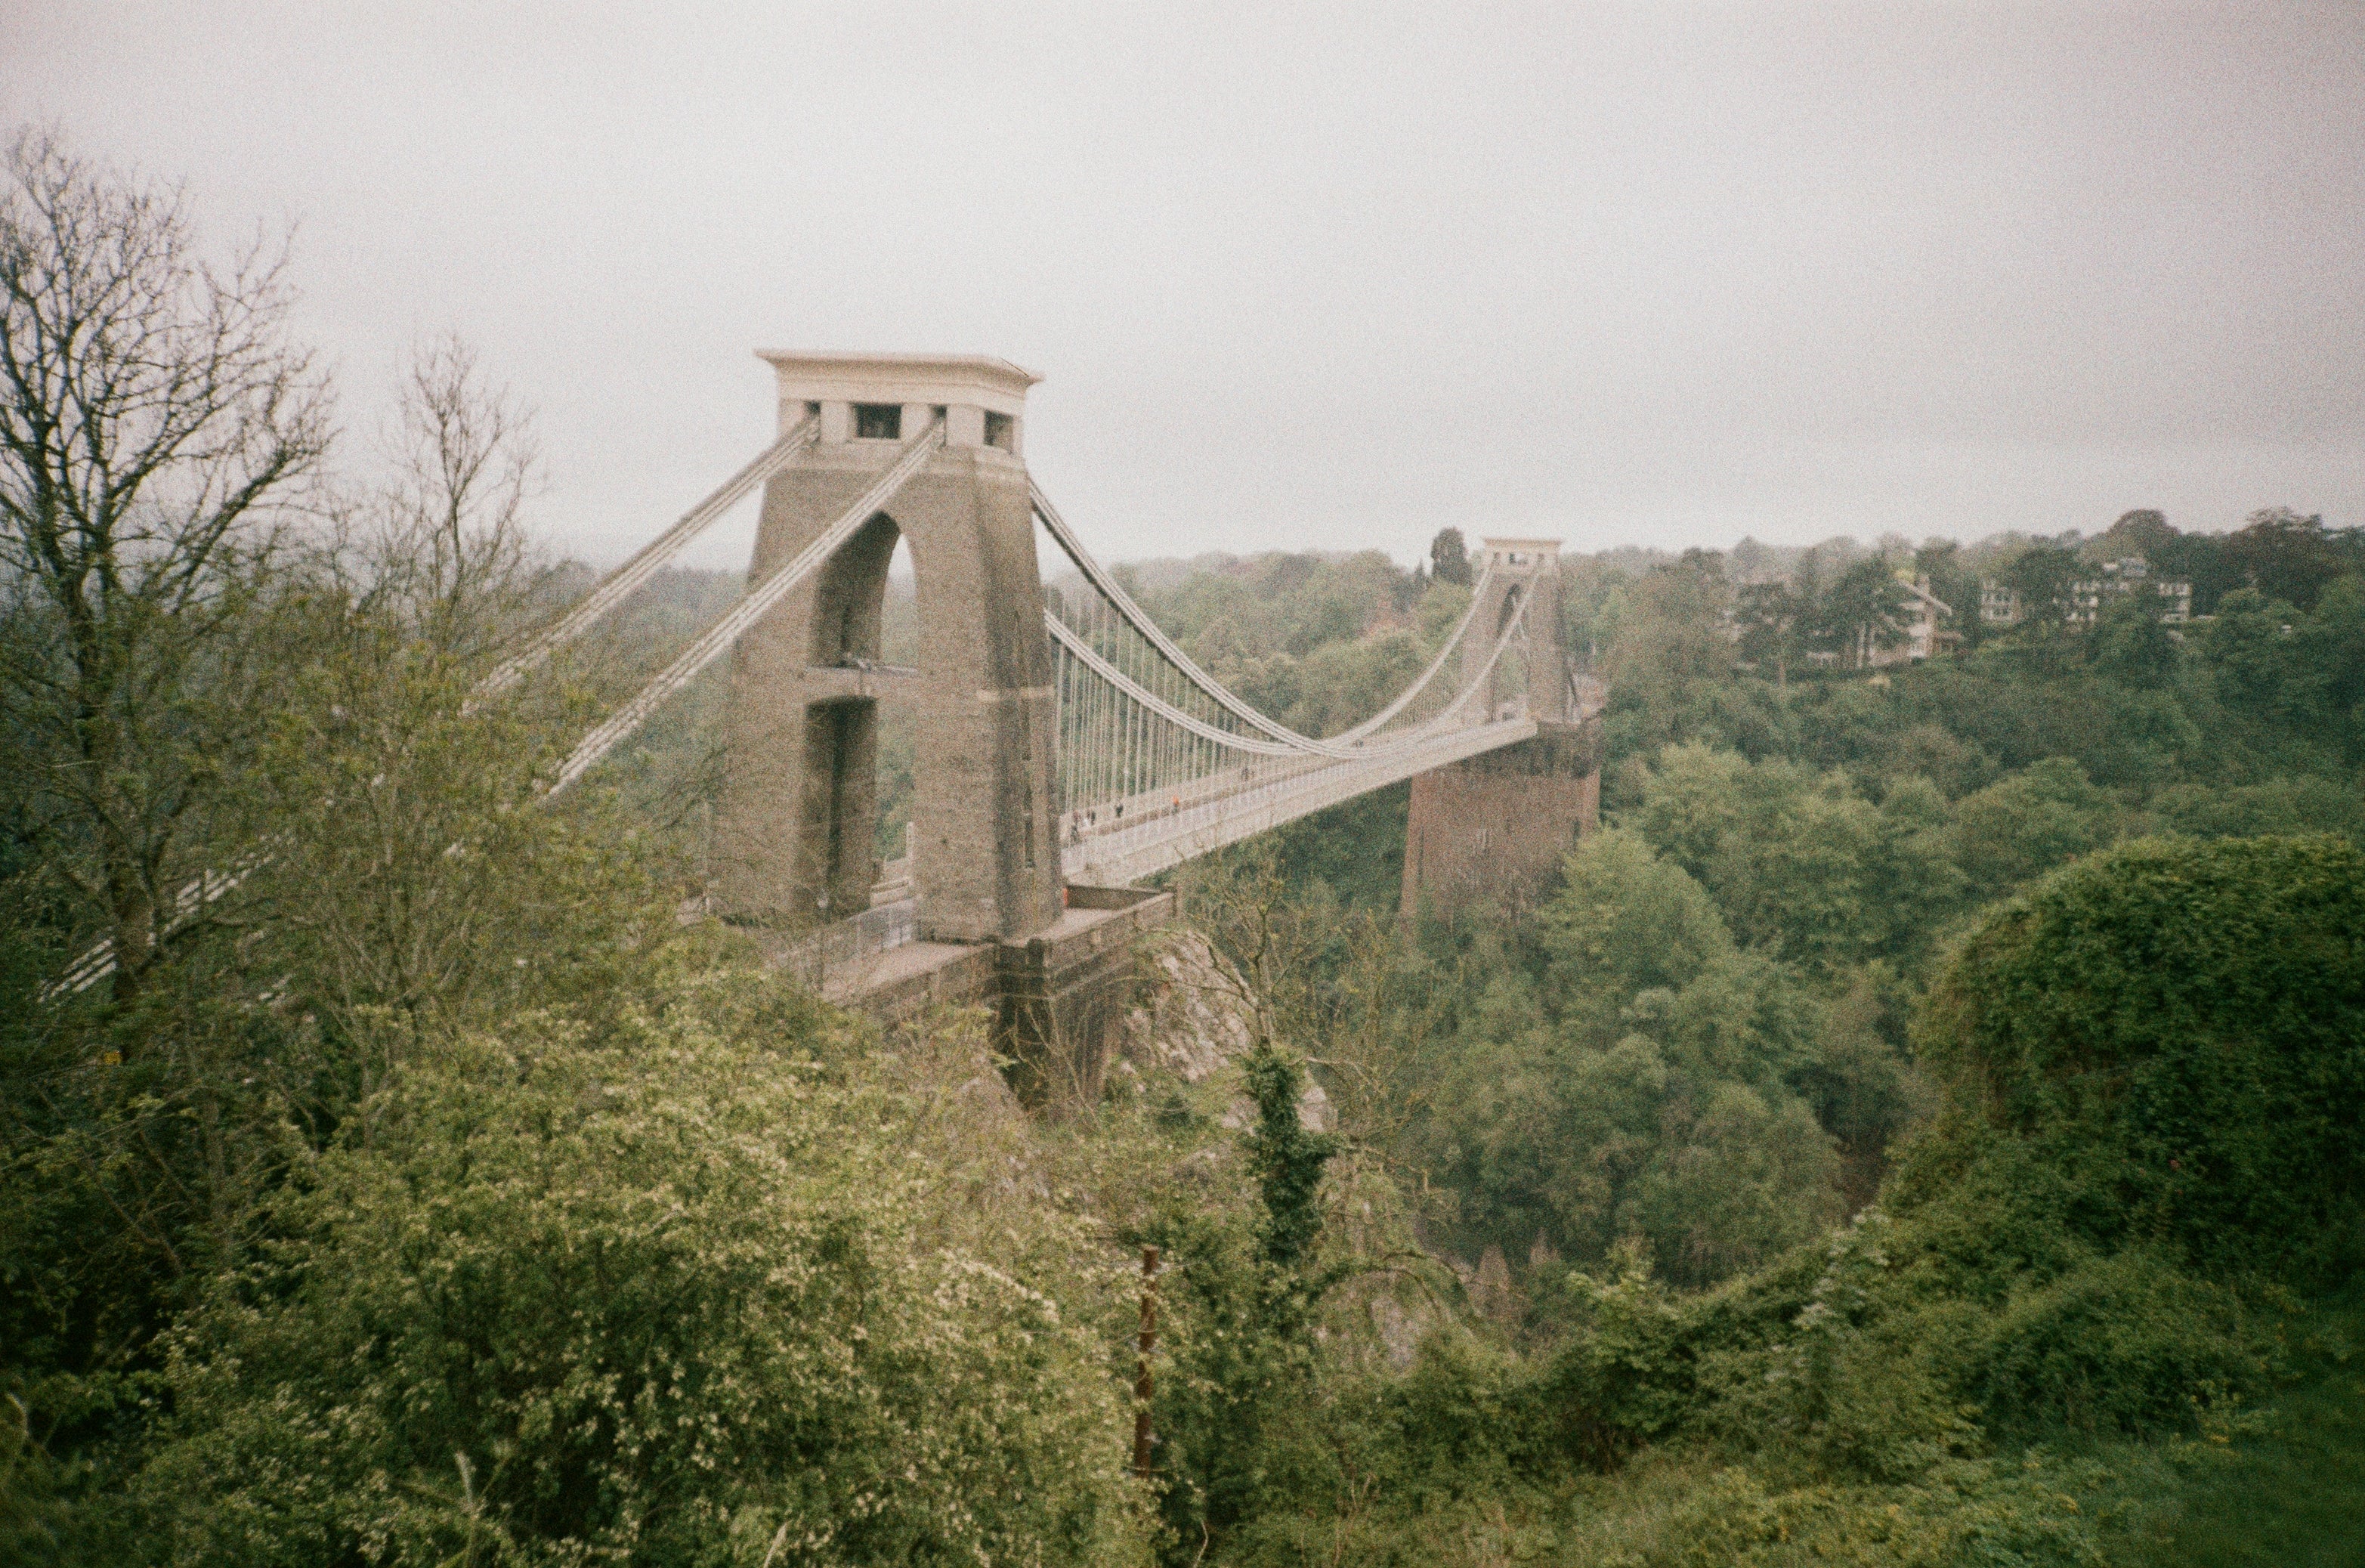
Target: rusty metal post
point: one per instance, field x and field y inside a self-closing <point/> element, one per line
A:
<point x="1142" y="1385"/>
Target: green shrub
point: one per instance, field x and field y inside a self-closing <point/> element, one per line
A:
<point x="2121" y="1343"/>
<point x="2176" y="1030"/>
<point x="1678" y="1509"/>
<point x="2286" y="806"/>
<point x="1854" y="1384"/>
<point x="669" y="1302"/>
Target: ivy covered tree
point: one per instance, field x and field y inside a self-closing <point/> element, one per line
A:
<point x="2168" y="1033"/>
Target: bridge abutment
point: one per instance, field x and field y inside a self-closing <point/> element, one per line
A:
<point x="1492" y="828"/>
<point x="1057" y="998"/>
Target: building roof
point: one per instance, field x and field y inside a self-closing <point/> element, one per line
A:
<point x="1926" y="597"/>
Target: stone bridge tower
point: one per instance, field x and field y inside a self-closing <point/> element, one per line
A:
<point x="794" y="834"/>
<point x="1494" y="827"/>
<point x="1520" y="571"/>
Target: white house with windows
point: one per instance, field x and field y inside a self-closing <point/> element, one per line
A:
<point x="2128" y="578"/>
<point x="2089" y="598"/>
<point x="1922" y="619"/>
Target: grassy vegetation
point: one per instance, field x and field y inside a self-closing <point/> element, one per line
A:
<point x="2289" y="1491"/>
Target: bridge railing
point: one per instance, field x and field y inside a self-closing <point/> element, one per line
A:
<point x="834" y="954"/>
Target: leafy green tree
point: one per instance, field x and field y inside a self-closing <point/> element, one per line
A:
<point x="2199" y="559"/>
<point x="2029" y="822"/>
<point x="2149" y="1100"/>
<point x="1806" y="878"/>
<point x="1584" y="1145"/>
<point x="2139" y="533"/>
<point x="1752" y="1177"/>
<point x="2261" y="661"/>
<point x="393" y="869"/>
<point x="2285" y="556"/>
<point x="1698" y="796"/>
<point x="1626" y="921"/>
<point x="400" y="882"/>
<point x="1547" y="1135"/>
<point x="1805" y="866"/>
<point x="2133" y="645"/>
<point x="1665" y="1054"/>
<point x="1666" y="649"/>
<point x="1743" y="1018"/>
<point x="2041" y="575"/>
<point x="1860" y="613"/>
<point x="2336" y="634"/>
<point x="1766" y="614"/>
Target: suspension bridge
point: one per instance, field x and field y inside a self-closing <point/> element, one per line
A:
<point x="1068" y="748"/>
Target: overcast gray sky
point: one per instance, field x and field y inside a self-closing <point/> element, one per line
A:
<point x="1308" y="277"/>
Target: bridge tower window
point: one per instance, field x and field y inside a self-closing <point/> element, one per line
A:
<point x="879" y="421"/>
<point x="1001" y="430"/>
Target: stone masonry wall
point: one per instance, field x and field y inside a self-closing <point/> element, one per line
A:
<point x="986" y="864"/>
<point x="1494" y="827"/>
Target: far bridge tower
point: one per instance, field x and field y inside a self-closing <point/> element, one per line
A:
<point x="1494" y="826"/>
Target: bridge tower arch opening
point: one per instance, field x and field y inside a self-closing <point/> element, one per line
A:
<point x="1506" y="687"/>
<point x="838" y="811"/>
<point x="796" y="834"/>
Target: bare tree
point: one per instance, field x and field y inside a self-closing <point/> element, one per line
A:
<point x="155" y="426"/>
<point x="443" y="543"/>
<point x="408" y="851"/>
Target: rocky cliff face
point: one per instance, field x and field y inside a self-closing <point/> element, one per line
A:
<point x="1193" y="1011"/>
<point x="1193" y="1015"/>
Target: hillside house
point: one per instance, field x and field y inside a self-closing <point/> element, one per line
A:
<point x="2091" y="597"/>
<point x="1921" y="618"/>
<point x="2128" y="578"/>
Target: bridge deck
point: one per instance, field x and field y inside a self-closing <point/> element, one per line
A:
<point x="1116" y="856"/>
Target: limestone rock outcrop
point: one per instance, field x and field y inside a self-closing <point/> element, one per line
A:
<point x="1192" y="1013"/>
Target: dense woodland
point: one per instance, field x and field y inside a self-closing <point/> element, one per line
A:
<point x="1922" y="1126"/>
